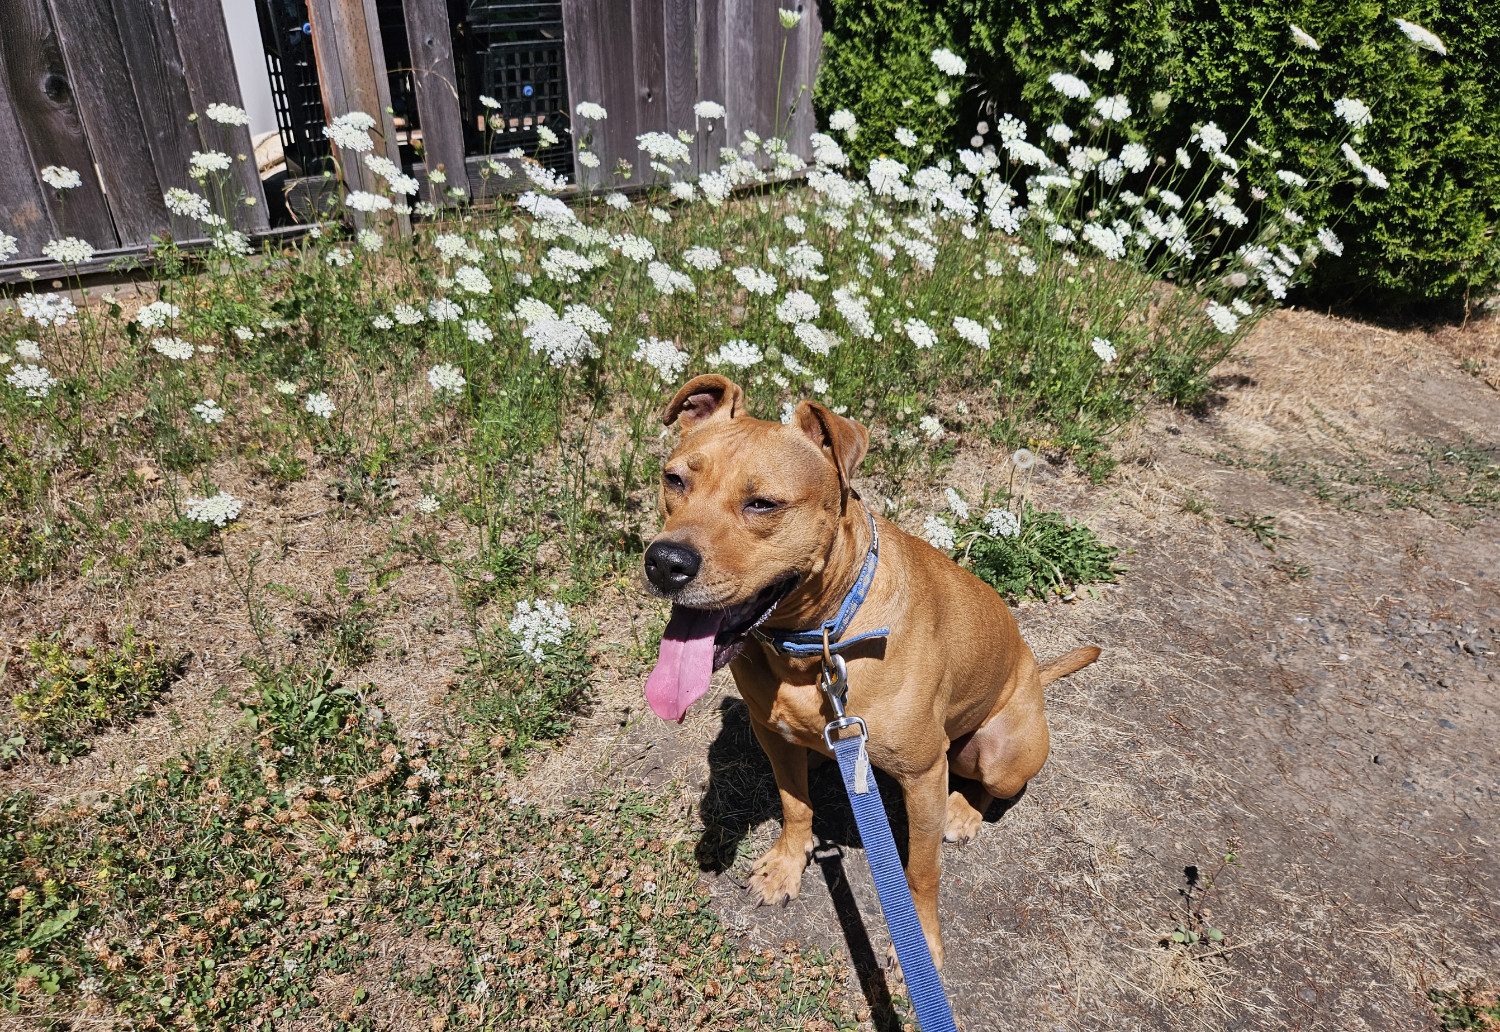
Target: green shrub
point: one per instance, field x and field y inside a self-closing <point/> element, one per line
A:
<point x="1436" y="130"/>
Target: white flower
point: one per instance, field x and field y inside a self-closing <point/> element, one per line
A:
<point x="68" y="250"/>
<point x="29" y="350"/>
<point x="545" y="136"/>
<point x="1223" y="317"/>
<point x="445" y="377"/>
<point x="1135" y="157"/>
<point x="938" y="534"/>
<point x="660" y="215"/>
<point x="1291" y="178"/>
<point x="1106" y="351"/>
<point x="61" y="177"/>
<point x="156" y="314"/>
<point x="1027" y="266"/>
<point x="637" y="249"/>
<point x="1002" y="523"/>
<point x="47" y="309"/>
<point x="931" y="428"/>
<point x="1420" y="36"/>
<point x="471" y="279"/>
<point x="662" y="147"/>
<point x="885" y="176"/>
<point x="591" y="111"/>
<point x="286" y="387"/>
<point x="538" y="623"/>
<point x="1104" y="60"/>
<point x="754" y="280"/>
<point x="661" y="355"/>
<point x="477" y="331"/>
<point x="443" y="310"/>
<point x="382" y="322"/>
<point x="1302" y="39"/>
<point x="563" y="342"/>
<point x="173" y="348"/>
<point x="905" y="137"/>
<point x="1023" y="459"/>
<point x="738" y="353"/>
<point x="1211" y="138"/>
<point x="320" y="405"/>
<point x="218" y="510"/>
<point x="920" y="333"/>
<point x="1330" y="243"/>
<point x="948" y="62"/>
<point x="1113" y="109"/>
<point x="208" y="410"/>
<point x="1059" y="133"/>
<point x="973" y="332"/>
<point x="428" y="504"/>
<point x="186" y="203"/>
<point x="339" y="257"/>
<point x="956" y="504"/>
<point x="618" y="201"/>
<point x="588" y="159"/>
<point x="407" y="315"/>
<point x="35" y="380"/>
<point x="668" y="280"/>
<point x="363" y="200"/>
<point x="798" y="306"/>
<point x="585" y="318"/>
<point x="814" y="339"/>
<point x="842" y="121"/>
<point x="1355" y="112"/>
<point x="709" y="110"/>
<point x="204" y="162"/>
<point x="789" y="19"/>
<point x="8" y="246"/>
<point x="370" y="240"/>
<point x="227" y="114"/>
<point x="1069" y="86"/>
<point x="704" y="259"/>
<point x="351" y="132"/>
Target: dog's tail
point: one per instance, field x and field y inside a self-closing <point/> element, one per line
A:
<point x="1066" y="664"/>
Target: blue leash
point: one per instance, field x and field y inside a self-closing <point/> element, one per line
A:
<point x="922" y="983"/>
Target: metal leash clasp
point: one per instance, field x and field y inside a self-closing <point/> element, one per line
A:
<point x="833" y="680"/>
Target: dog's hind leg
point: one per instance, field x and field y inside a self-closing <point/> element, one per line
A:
<point x="1008" y="749"/>
<point x="778" y="874"/>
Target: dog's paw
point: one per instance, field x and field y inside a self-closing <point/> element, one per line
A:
<point x="963" y="820"/>
<point x="777" y="877"/>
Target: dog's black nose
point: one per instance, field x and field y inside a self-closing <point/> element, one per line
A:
<point x="670" y="566"/>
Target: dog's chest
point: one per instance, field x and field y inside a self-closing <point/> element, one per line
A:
<point x="796" y="713"/>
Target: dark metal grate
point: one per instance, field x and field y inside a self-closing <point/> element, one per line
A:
<point x="512" y="53"/>
<point x="286" y="37"/>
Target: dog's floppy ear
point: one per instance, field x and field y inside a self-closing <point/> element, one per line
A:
<point x="844" y="441"/>
<point x="704" y="399"/>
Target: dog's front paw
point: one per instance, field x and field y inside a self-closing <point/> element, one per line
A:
<point x="777" y="877"/>
<point x="963" y="819"/>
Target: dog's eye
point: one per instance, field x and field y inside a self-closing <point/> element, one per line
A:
<point x="761" y="505"/>
<point x="673" y="481"/>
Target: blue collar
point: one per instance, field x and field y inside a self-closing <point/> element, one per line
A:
<point x="805" y="644"/>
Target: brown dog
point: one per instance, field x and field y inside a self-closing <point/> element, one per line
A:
<point x="763" y="529"/>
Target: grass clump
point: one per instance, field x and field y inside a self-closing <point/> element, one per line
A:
<point x="1469" y="1009"/>
<point x="69" y="692"/>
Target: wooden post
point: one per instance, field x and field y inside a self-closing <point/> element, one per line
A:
<point x="431" y="40"/>
<point x="351" y="71"/>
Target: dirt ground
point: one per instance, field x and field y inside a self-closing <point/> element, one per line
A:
<point x="1325" y="712"/>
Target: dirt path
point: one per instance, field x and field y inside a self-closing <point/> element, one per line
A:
<point x="1326" y="712"/>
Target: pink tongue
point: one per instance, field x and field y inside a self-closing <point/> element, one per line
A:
<point x="686" y="662"/>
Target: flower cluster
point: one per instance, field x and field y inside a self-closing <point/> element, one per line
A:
<point x="218" y="510"/>
<point x="539" y="623"/>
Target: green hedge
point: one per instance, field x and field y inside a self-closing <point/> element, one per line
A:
<point x="1435" y="234"/>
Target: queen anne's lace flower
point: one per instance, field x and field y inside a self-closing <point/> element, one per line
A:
<point x="754" y="280"/>
<point x="637" y="249"/>
<point x="320" y="404"/>
<point x="956" y="504"/>
<point x="445" y="377"/>
<point x="1330" y="242"/>
<point x="471" y="279"/>
<point x="443" y="310"/>
<point x="798" y="306"/>
<point x="592" y="112"/>
<point x="938" y="534"/>
<point x="539" y="623"/>
<point x="843" y="121"/>
<point x="704" y="259"/>
<point x="738" y="353"/>
<point x="61" y="177"/>
<point x="1302" y="39"/>
<point x="1223" y="317"/>
<point x="173" y="347"/>
<point x="156" y="314"/>
<point x="208" y="410"/>
<point x="1002" y="523"/>
<point x="34" y="380"/>
<point x="363" y="200"/>
<point x="973" y="332"/>
<point x="948" y="62"/>
<point x="407" y="315"/>
<point x="663" y="147"/>
<point x="1113" y="109"/>
<point x="428" y="504"/>
<point x="222" y="508"/>
<point x="661" y="355"/>
<point x="922" y="335"/>
<point x="709" y="110"/>
<point x="1420" y="36"/>
<point x="227" y="114"/>
<point x="351" y="132"/>
<point x="1069" y="86"/>
<point x="668" y="280"/>
<point x="564" y="343"/>
<point x="1355" y="112"/>
<point x="68" y="250"/>
<point x="204" y="162"/>
<point x="1106" y="351"/>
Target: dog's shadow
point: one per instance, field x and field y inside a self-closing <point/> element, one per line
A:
<point x="741" y="795"/>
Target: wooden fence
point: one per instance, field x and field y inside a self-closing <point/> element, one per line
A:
<point x="110" y="88"/>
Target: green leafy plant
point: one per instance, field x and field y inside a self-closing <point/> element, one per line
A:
<point x="1032" y="553"/>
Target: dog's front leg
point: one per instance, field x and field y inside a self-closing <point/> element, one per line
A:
<point x="926" y="815"/>
<point x="778" y="874"/>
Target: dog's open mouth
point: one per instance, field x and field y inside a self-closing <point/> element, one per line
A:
<point x="699" y="641"/>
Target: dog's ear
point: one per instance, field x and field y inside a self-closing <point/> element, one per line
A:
<point x="844" y="441"/>
<point x="704" y="399"/>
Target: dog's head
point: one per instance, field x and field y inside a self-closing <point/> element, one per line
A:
<point x="751" y="509"/>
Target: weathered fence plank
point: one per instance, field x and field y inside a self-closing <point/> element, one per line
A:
<point x="602" y="68"/>
<point x="647" y="35"/>
<point x="160" y="87"/>
<point x="113" y="126"/>
<point x="46" y="109"/>
<point x="202" y="41"/>
<point x="711" y="81"/>
<point x="428" y="33"/>
<point x="679" y="42"/>
<point x="23" y="205"/>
